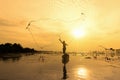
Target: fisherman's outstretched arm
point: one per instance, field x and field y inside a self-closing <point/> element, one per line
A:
<point x="60" y="40"/>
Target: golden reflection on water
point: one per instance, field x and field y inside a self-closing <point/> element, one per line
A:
<point x="82" y="73"/>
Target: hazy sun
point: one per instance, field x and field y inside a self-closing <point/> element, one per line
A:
<point x="78" y="33"/>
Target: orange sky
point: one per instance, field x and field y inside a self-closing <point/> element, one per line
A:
<point x="100" y="22"/>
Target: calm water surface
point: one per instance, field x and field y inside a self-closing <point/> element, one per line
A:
<point x="50" y="67"/>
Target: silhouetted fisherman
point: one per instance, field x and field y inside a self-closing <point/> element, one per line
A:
<point x="65" y="60"/>
<point x="64" y="45"/>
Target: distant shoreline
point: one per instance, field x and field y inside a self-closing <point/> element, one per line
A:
<point x="14" y="48"/>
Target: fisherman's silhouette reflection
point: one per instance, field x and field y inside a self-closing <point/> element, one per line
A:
<point x="65" y="60"/>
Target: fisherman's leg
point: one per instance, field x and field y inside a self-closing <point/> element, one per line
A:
<point x="64" y="50"/>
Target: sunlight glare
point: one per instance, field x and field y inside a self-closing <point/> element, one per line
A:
<point x="82" y="72"/>
<point x="78" y="33"/>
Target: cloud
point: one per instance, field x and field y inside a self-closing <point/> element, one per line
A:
<point x="5" y="22"/>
